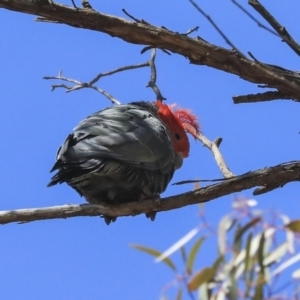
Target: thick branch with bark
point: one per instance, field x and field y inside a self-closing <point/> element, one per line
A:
<point x="267" y="179"/>
<point x="196" y="50"/>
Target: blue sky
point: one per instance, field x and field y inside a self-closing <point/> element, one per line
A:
<point x="82" y="257"/>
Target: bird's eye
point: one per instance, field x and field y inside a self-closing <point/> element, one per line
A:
<point x="177" y="136"/>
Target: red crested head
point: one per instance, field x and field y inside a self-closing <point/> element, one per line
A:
<point x="178" y="121"/>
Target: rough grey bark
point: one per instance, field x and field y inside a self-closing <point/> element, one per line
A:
<point x="197" y="50"/>
<point x="266" y="179"/>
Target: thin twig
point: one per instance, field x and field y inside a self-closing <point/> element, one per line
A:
<point x="47" y="20"/>
<point x="191" y="30"/>
<point x="267" y="70"/>
<point x="133" y="18"/>
<point x="281" y="30"/>
<point x="260" y="97"/>
<point x="80" y="85"/>
<point x="280" y="174"/>
<point x="107" y="95"/>
<point x="74" y="4"/>
<point x="254" y="58"/>
<point x="145" y="49"/>
<point x="153" y="76"/>
<point x="259" y="24"/>
<point x="214" y="148"/>
<point x="121" y="69"/>
<point x="217" y="28"/>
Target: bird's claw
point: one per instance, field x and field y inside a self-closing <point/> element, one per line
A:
<point x="109" y="219"/>
<point x="151" y="215"/>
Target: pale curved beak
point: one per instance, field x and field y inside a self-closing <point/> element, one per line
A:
<point x="178" y="161"/>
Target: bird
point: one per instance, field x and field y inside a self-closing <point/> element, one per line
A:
<point x="125" y="153"/>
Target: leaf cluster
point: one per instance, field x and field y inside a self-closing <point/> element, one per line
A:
<point x="255" y="251"/>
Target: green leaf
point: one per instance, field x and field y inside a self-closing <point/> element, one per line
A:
<point x="289" y="233"/>
<point x="192" y="255"/>
<point x="206" y="275"/>
<point x="254" y="246"/>
<point x="260" y="253"/>
<point x="296" y="274"/>
<point x="177" y="245"/>
<point x="251" y="273"/>
<point x="201" y="277"/>
<point x="269" y="241"/>
<point x="225" y="224"/>
<point x="237" y="243"/>
<point x="217" y="263"/>
<point x="183" y="254"/>
<point x="277" y="254"/>
<point x="179" y="295"/>
<point x="286" y="264"/>
<point x="247" y="258"/>
<point x="259" y="291"/>
<point x="154" y="253"/>
<point x="243" y="229"/>
<point x="294" y="226"/>
<point x="246" y="262"/>
<point x="232" y="293"/>
<point x="203" y="292"/>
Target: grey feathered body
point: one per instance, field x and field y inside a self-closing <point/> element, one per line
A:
<point x="120" y="154"/>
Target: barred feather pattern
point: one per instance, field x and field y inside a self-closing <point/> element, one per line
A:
<point x="123" y="153"/>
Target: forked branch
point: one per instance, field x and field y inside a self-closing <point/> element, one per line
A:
<point x="281" y="30"/>
<point x="214" y="148"/>
<point x="196" y="50"/>
<point x="77" y="85"/>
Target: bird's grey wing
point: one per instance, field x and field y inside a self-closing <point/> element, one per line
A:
<point x="126" y="133"/>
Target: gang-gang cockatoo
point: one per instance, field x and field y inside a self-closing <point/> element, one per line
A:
<point x="125" y="153"/>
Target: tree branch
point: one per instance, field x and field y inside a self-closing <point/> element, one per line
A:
<point x="269" y="178"/>
<point x="260" y="97"/>
<point x="259" y="24"/>
<point x="214" y="148"/>
<point x="80" y="85"/>
<point x="211" y="21"/>
<point x="153" y="76"/>
<point x="281" y="30"/>
<point x="196" y="50"/>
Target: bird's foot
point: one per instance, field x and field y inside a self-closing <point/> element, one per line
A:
<point x="151" y="215"/>
<point x="109" y="219"/>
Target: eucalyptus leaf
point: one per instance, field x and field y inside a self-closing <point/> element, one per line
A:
<point x="276" y="254"/>
<point x="179" y="295"/>
<point x="154" y="253"/>
<point x="294" y="226"/>
<point x="193" y="254"/>
<point x="225" y="224"/>
<point x="246" y="227"/>
<point x="205" y="275"/>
